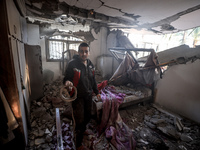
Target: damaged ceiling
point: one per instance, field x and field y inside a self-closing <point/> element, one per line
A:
<point x="149" y="15"/>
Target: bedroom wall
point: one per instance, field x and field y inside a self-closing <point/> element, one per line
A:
<point x="178" y="91"/>
<point x="99" y="53"/>
<point x="97" y="47"/>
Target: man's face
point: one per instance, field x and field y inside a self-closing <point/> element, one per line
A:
<point x="83" y="53"/>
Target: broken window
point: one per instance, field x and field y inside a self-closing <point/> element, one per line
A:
<point x="57" y="45"/>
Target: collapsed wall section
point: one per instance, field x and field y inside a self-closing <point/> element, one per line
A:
<point x="178" y="90"/>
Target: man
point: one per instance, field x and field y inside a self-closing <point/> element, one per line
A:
<point x="80" y="73"/>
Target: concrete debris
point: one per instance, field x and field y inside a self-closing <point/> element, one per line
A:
<point x="186" y="138"/>
<point x="152" y="127"/>
<point x="48" y="138"/>
<point x="156" y="129"/>
<point x="41" y="133"/>
<point x="47" y="131"/>
<point x="45" y="146"/>
<point x="42" y="118"/>
<point x="86" y="35"/>
<point x="39" y="141"/>
<point x="178" y="124"/>
<point x="156" y="120"/>
<point x="182" y="147"/>
<point x="147" y="118"/>
<point x="142" y="141"/>
<point x="186" y="129"/>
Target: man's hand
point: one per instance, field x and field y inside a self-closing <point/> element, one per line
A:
<point x="99" y="97"/>
<point x="69" y="84"/>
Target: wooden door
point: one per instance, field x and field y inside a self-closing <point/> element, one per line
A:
<point x="34" y="67"/>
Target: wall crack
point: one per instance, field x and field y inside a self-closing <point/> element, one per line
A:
<point x="124" y="13"/>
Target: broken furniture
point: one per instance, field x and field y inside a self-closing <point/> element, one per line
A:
<point x="120" y="52"/>
<point x="132" y="96"/>
<point x="139" y="78"/>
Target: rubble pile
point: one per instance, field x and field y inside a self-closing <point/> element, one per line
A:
<point x="67" y="136"/>
<point x="53" y="89"/>
<point x="42" y="125"/>
<point x="155" y="129"/>
<point x="152" y="128"/>
<point x="42" y="132"/>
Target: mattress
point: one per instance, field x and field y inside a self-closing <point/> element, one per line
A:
<point x="133" y="96"/>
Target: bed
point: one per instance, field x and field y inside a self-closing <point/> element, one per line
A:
<point x="133" y="96"/>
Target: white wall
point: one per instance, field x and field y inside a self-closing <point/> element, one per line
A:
<point x="179" y="90"/>
<point x="105" y="65"/>
<point x="33" y="34"/>
<point x="112" y="42"/>
<point x="98" y="46"/>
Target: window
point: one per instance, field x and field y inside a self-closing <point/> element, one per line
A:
<point x="57" y="45"/>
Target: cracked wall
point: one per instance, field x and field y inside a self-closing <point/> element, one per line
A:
<point x="178" y="90"/>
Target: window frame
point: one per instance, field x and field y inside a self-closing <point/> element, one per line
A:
<point x="68" y="42"/>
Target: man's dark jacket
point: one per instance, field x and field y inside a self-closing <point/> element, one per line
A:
<point x="81" y="76"/>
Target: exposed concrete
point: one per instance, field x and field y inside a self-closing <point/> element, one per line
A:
<point x="167" y="21"/>
<point x="85" y="35"/>
<point x="180" y="54"/>
<point x="153" y="15"/>
<point x="182" y="51"/>
<point x="178" y="91"/>
<point x="74" y="11"/>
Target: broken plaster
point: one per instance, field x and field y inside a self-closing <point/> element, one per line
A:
<point x="101" y="19"/>
<point x="125" y="14"/>
<point x="77" y="12"/>
<point x="165" y="23"/>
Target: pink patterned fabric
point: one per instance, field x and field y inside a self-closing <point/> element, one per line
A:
<point x="116" y="131"/>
